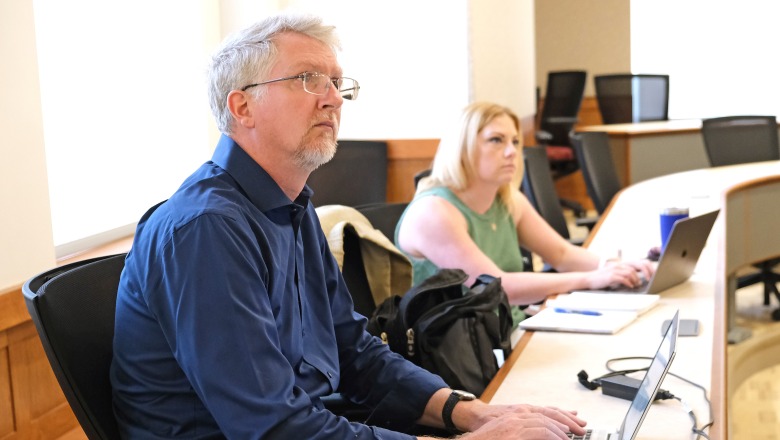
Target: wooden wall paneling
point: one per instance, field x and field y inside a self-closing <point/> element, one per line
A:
<point x="407" y="157"/>
<point x="32" y="405"/>
<point x="35" y="387"/>
<point x="6" y="401"/>
<point x="589" y="112"/>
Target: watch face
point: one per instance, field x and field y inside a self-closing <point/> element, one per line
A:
<point x="464" y="395"/>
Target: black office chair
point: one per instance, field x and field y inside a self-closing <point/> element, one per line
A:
<point x="384" y="216"/>
<point x="598" y="168"/>
<point x="539" y="188"/>
<point x="356" y="175"/>
<point x="732" y="140"/>
<point x="72" y="308"/>
<point x="559" y="114"/>
<point x="354" y="273"/>
<point x="624" y="98"/>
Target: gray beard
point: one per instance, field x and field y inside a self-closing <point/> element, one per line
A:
<point x="312" y="157"/>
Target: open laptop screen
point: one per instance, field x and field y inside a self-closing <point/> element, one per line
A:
<point x="651" y="382"/>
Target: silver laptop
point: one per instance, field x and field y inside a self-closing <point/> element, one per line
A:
<point x="679" y="259"/>
<point x="645" y="395"/>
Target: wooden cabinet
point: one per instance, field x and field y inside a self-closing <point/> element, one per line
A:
<point x="32" y="405"/>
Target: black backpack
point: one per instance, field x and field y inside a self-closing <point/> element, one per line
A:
<point x="447" y="329"/>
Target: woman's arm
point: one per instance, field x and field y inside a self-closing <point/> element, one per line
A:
<point x="577" y="268"/>
<point x="434" y="229"/>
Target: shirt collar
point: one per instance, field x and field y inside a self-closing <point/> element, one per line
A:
<point x="256" y="183"/>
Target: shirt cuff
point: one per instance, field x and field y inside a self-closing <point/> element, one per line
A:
<point x="400" y="409"/>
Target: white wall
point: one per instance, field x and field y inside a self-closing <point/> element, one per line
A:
<point x="720" y="54"/>
<point x="418" y="64"/>
<point x="503" y="54"/>
<point x="410" y="57"/>
<point x="25" y="226"/>
<point x="125" y="111"/>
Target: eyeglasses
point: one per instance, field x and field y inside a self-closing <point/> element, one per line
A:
<point x="318" y="84"/>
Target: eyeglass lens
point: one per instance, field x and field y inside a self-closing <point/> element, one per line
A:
<point x="319" y="84"/>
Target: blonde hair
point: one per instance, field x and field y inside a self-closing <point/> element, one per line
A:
<point x="455" y="159"/>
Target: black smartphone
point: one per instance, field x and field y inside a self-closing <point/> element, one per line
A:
<point x="688" y="327"/>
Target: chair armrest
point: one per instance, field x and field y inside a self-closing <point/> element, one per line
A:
<point x="577" y="241"/>
<point x="561" y="120"/>
<point x="543" y="137"/>
<point x="588" y="222"/>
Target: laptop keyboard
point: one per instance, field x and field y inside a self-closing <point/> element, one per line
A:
<point x="581" y="437"/>
<point x="625" y="289"/>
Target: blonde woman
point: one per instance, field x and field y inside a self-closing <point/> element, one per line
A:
<point x="470" y="214"/>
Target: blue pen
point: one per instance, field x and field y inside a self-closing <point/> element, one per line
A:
<point x="579" y="312"/>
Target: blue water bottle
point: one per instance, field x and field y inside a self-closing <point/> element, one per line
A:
<point x="668" y="217"/>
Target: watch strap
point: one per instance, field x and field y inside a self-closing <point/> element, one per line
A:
<point x="446" y="413"/>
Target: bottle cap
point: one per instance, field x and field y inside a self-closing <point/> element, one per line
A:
<point x="675" y="211"/>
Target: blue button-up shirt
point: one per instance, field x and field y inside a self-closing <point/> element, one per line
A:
<point x="233" y="319"/>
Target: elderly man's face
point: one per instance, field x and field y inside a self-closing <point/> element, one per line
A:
<point x="302" y="124"/>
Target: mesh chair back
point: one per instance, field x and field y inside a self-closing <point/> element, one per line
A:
<point x="562" y="101"/>
<point x="72" y="308"/>
<point x="598" y="168"/>
<point x="356" y="175"/>
<point x="733" y="140"/>
<point x="539" y="187"/>
<point x="624" y="98"/>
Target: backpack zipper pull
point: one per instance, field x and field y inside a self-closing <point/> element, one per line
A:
<point x="410" y="342"/>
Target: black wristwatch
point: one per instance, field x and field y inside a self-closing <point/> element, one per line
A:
<point x="449" y="405"/>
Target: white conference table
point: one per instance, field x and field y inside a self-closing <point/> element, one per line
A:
<point x="543" y="367"/>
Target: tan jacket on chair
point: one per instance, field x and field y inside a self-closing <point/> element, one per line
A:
<point x="388" y="270"/>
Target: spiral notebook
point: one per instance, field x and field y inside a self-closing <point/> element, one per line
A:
<point x="604" y="301"/>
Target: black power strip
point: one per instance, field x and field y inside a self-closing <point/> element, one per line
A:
<point x="620" y="386"/>
<point x="625" y="387"/>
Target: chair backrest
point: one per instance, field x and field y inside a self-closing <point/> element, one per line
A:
<point x="356" y="175"/>
<point x="539" y="187"/>
<point x="629" y="97"/>
<point x="384" y="216"/>
<point x="354" y="272"/>
<point x="72" y="308"/>
<point x="562" y="101"/>
<point x="598" y="168"/>
<point x="733" y="140"/>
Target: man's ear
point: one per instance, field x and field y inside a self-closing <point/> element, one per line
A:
<point x="238" y="104"/>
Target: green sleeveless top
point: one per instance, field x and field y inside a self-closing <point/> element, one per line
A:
<point x="494" y="232"/>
